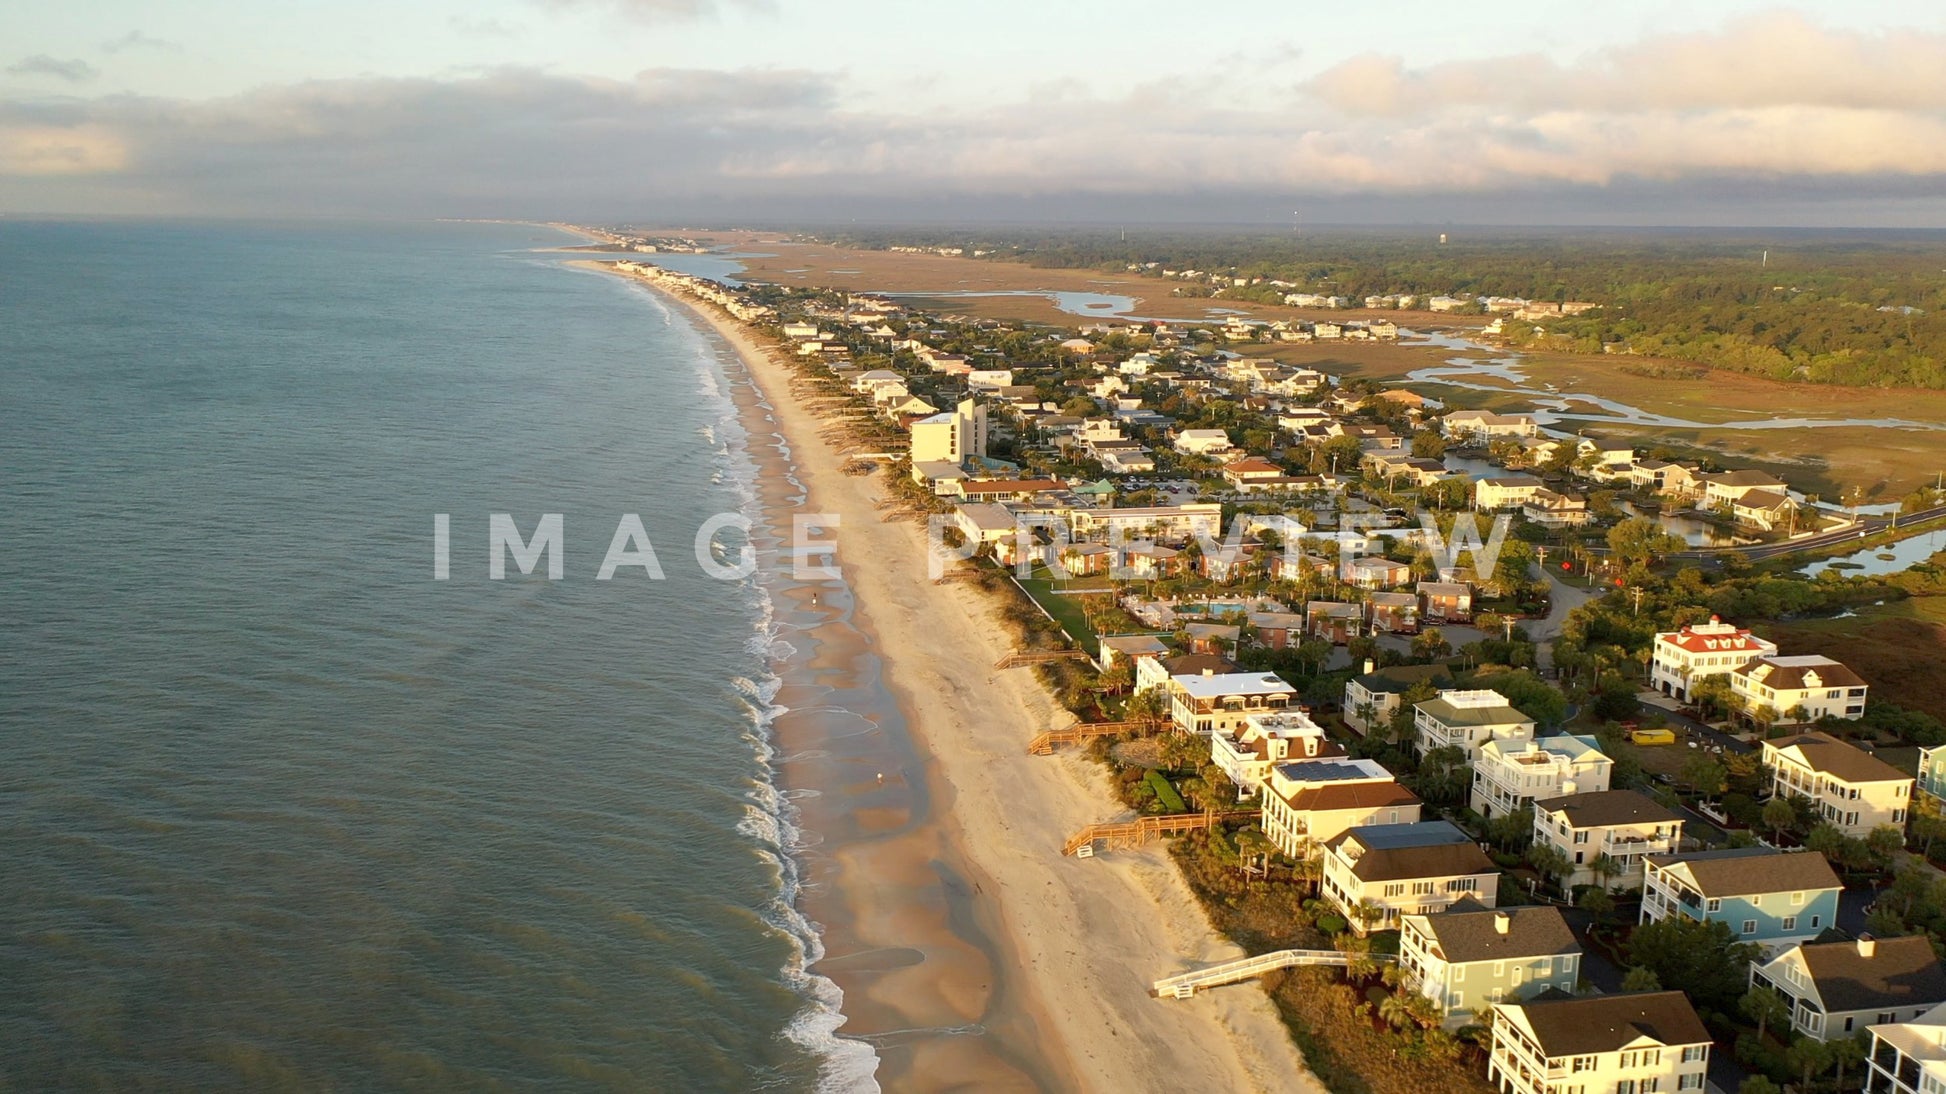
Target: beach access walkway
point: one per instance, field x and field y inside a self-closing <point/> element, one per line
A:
<point x="1122" y="835"/>
<point x="1243" y="968"/>
<point x="1074" y="733"/>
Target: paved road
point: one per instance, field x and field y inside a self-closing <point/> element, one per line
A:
<point x="1863" y="528"/>
<point x="1562" y="599"/>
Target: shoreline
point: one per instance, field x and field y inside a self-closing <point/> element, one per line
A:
<point x="1071" y="946"/>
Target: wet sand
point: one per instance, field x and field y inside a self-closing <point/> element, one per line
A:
<point x="971" y="953"/>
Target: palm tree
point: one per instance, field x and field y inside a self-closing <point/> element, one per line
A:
<point x="1846" y="1052"/>
<point x="1396" y="1009"/>
<point x="1605" y="868"/>
<point x="1763" y="1006"/>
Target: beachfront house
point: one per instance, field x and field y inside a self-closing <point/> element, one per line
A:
<point x="1682" y="657"/>
<point x="1800" y="689"/>
<point x="1643" y="1043"/>
<point x="1266" y="740"/>
<point x="1213" y="702"/>
<point x="1607" y="835"/>
<point x="1467" y="720"/>
<point x="1510" y="774"/>
<point x="1852" y="790"/>
<point x="1308" y="803"/>
<point x="1765" y="895"/>
<point x="1836" y="989"/>
<point x="1377" y="873"/>
<point x="1465" y="960"/>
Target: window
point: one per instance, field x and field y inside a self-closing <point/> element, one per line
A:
<point x="1797" y="899"/>
<point x="1691" y="1081"/>
<point x="1648" y="1086"/>
<point x="1582" y="1063"/>
<point x="1694" y="1053"/>
<point x="1626" y="1086"/>
<point x="1814" y="921"/>
<point x="1422" y="888"/>
<point x="1397" y="889"/>
<point x="1790" y="923"/>
<point x="1749" y="926"/>
<point x="1715" y="905"/>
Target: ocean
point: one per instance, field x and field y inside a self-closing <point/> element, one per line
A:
<point x="279" y="810"/>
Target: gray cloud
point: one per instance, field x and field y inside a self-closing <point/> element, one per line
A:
<point x="73" y="70"/>
<point x="1370" y="134"/>
<point x="135" y="39"/>
<point x="659" y="11"/>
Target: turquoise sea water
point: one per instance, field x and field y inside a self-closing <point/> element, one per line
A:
<point x="278" y="810"/>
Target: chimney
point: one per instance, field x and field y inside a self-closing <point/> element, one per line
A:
<point x="1209" y="672"/>
<point x="1371" y="666"/>
<point x="1502" y="922"/>
<point x="1867" y="945"/>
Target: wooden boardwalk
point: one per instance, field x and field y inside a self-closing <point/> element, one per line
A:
<point x="1077" y="732"/>
<point x="1122" y="835"/>
<point x="1038" y="657"/>
<point x="1243" y="968"/>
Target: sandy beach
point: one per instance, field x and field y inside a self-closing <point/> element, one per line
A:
<point x="970" y="951"/>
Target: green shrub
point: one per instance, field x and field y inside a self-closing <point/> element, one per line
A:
<point x="1166" y="793"/>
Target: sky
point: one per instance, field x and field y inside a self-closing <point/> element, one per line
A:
<point x="1723" y="112"/>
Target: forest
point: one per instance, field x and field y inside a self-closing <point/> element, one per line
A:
<point x="1860" y="308"/>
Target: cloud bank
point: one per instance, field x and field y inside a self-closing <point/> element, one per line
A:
<point x="1769" y="106"/>
<point x="74" y="70"/>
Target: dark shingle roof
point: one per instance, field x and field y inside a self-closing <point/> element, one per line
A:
<point x="1394" y="852"/>
<point x="1605" y="1023"/>
<point x="1399" y="678"/>
<point x="1742" y="871"/>
<point x="1901" y="973"/>
<point x="1605" y="807"/>
<point x="1532" y="931"/>
<point x="1832" y="756"/>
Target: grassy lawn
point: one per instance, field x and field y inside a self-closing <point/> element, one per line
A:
<point x="1900" y="648"/>
<point x="1067" y="610"/>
